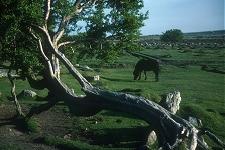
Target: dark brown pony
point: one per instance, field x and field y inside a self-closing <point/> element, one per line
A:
<point x="146" y="65"/>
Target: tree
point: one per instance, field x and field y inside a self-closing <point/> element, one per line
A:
<point x="173" y="36"/>
<point x="35" y="35"/>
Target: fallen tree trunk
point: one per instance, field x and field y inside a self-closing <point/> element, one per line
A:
<point x="171" y="130"/>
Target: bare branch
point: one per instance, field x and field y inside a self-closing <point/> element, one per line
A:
<point x="44" y="31"/>
<point x="66" y="43"/>
<point x="46" y="59"/>
<point x="47" y="11"/>
<point x="41" y="48"/>
<point x="33" y="34"/>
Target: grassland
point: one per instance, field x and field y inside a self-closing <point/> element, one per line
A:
<point x="202" y="96"/>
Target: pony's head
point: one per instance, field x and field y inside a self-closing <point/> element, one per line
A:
<point x="136" y="74"/>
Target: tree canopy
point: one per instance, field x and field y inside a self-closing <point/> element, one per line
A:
<point x="173" y="36"/>
<point x="107" y="27"/>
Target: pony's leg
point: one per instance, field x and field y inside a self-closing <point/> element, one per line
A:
<point x="145" y="75"/>
<point x="139" y="76"/>
<point x="156" y="75"/>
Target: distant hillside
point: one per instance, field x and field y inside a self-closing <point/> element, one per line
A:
<point x="218" y="34"/>
<point x="206" y="33"/>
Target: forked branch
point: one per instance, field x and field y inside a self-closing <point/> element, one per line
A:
<point x="48" y="62"/>
<point x="78" y="6"/>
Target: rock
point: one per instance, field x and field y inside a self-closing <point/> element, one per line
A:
<point x="29" y="93"/>
<point x="152" y="138"/>
<point x="171" y="101"/>
<point x="96" y="78"/>
<point x="88" y="68"/>
<point x="67" y="136"/>
<point x="14" y="132"/>
<point x="3" y="73"/>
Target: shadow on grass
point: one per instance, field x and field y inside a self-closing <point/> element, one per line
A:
<point x="131" y="91"/>
<point x="127" y="80"/>
<point x="118" y="80"/>
<point x="4" y="123"/>
<point x="120" y="137"/>
<point x="9" y="121"/>
<point x="20" y="123"/>
<point x="117" y="114"/>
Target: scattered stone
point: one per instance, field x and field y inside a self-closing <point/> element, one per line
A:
<point x="3" y="73"/>
<point x="29" y="93"/>
<point x="88" y="68"/>
<point x="96" y="78"/>
<point x="85" y="67"/>
<point x="14" y="132"/>
<point x="67" y="136"/>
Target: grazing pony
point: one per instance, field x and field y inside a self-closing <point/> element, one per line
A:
<point x="146" y="65"/>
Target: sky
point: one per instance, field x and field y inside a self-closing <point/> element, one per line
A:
<point x="186" y="15"/>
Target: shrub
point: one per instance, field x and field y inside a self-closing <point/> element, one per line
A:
<point x="28" y="125"/>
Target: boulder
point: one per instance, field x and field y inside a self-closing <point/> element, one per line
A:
<point x="3" y="73"/>
<point x="171" y="101"/>
<point x="152" y="138"/>
<point x="67" y="136"/>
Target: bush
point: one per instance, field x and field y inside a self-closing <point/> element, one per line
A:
<point x="28" y="125"/>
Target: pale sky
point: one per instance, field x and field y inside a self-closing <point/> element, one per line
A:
<point x="187" y="15"/>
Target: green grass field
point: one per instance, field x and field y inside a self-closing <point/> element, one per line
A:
<point x="202" y="96"/>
